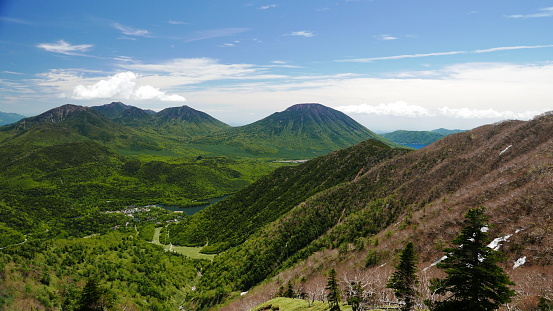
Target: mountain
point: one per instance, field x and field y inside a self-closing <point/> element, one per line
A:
<point x="446" y="132"/>
<point x="422" y="138"/>
<point x="275" y="194"/>
<point x="134" y="117"/>
<point x="9" y="118"/>
<point x="302" y="130"/>
<point x="413" y="137"/>
<point x="360" y="225"/>
<point x="186" y="121"/>
<point x="112" y="110"/>
<point x="64" y="124"/>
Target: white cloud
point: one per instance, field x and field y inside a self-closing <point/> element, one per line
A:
<point x="172" y="22"/>
<point x="385" y="37"/>
<point x="303" y="33"/>
<point x="15" y="20"/>
<point x="398" y="109"/>
<point x="215" y="33"/>
<point x="122" y="86"/>
<point x="544" y="12"/>
<point x="403" y="109"/>
<point x="496" y="49"/>
<point x="65" y="48"/>
<point x="371" y="59"/>
<point x="185" y="71"/>
<point x="467" y="113"/>
<point x="507" y="48"/>
<point x="270" y="6"/>
<point x="129" y="31"/>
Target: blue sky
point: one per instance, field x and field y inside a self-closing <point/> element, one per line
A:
<point x="390" y="64"/>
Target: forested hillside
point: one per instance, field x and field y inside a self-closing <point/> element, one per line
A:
<point x="421" y="196"/>
<point x="301" y="131"/>
<point x="275" y="194"/>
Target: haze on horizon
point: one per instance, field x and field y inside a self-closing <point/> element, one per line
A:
<point x="403" y="65"/>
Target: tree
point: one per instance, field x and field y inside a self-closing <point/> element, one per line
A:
<point x="94" y="297"/>
<point x="355" y="294"/>
<point x="404" y="280"/>
<point x="474" y="281"/>
<point x="333" y="296"/>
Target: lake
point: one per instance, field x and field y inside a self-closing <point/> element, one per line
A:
<point x="194" y="209"/>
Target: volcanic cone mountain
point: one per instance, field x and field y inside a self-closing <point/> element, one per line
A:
<point x="300" y="130"/>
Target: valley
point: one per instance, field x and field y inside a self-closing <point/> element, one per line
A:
<point x="350" y="204"/>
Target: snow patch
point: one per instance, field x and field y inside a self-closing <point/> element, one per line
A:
<point x="496" y="243"/>
<point x="435" y="263"/>
<point x="519" y="262"/>
<point x="505" y="149"/>
<point x="485" y="229"/>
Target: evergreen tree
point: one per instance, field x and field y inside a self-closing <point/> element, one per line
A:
<point x="290" y="293"/>
<point x="94" y="297"/>
<point x="474" y="281"/>
<point x="355" y="295"/>
<point x="404" y="279"/>
<point x="333" y="296"/>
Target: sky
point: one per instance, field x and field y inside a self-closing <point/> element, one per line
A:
<point x="389" y="64"/>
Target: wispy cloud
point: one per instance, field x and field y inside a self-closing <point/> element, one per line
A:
<point x="490" y="50"/>
<point x="371" y="59"/>
<point x="14" y="20"/>
<point x="12" y="72"/>
<point x="216" y="33"/>
<point x="177" y="22"/>
<point x="65" y="48"/>
<point x="302" y="33"/>
<point x="507" y="48"/>
<point x="385" y="37"/>
<point x="544" y="12"/>
<point x="270" y="6"/>
<point x="230" y="45"/>
<point x="129" y="31"/>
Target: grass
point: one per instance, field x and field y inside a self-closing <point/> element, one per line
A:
<point x="191" y="252"/>
<point x="289" y="304"/>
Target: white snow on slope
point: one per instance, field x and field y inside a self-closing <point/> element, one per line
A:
<point x="519" y="262"/>
<point x="505" y="149"/>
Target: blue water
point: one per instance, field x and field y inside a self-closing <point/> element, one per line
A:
<point x="194" y="209"/>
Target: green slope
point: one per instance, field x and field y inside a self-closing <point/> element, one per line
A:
<point x="418" y="137"/>
<point x="303" y="130"/>
<point x="68" y="123"/>
<point x="413" y="137"/>
<point x="275" y="194"/>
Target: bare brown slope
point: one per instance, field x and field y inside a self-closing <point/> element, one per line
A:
<point x="506" y="167"/>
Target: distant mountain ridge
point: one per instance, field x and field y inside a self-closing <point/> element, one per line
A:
<point x="418" y="137"/>
<point x="67" y="123"/>
<point x="300" y="131"/>
<point x="9" y="118"/>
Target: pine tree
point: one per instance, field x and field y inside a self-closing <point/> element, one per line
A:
<point x="474" y="281"/>
<point x="333" y="296"/>
<point x="404" y="279"/>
